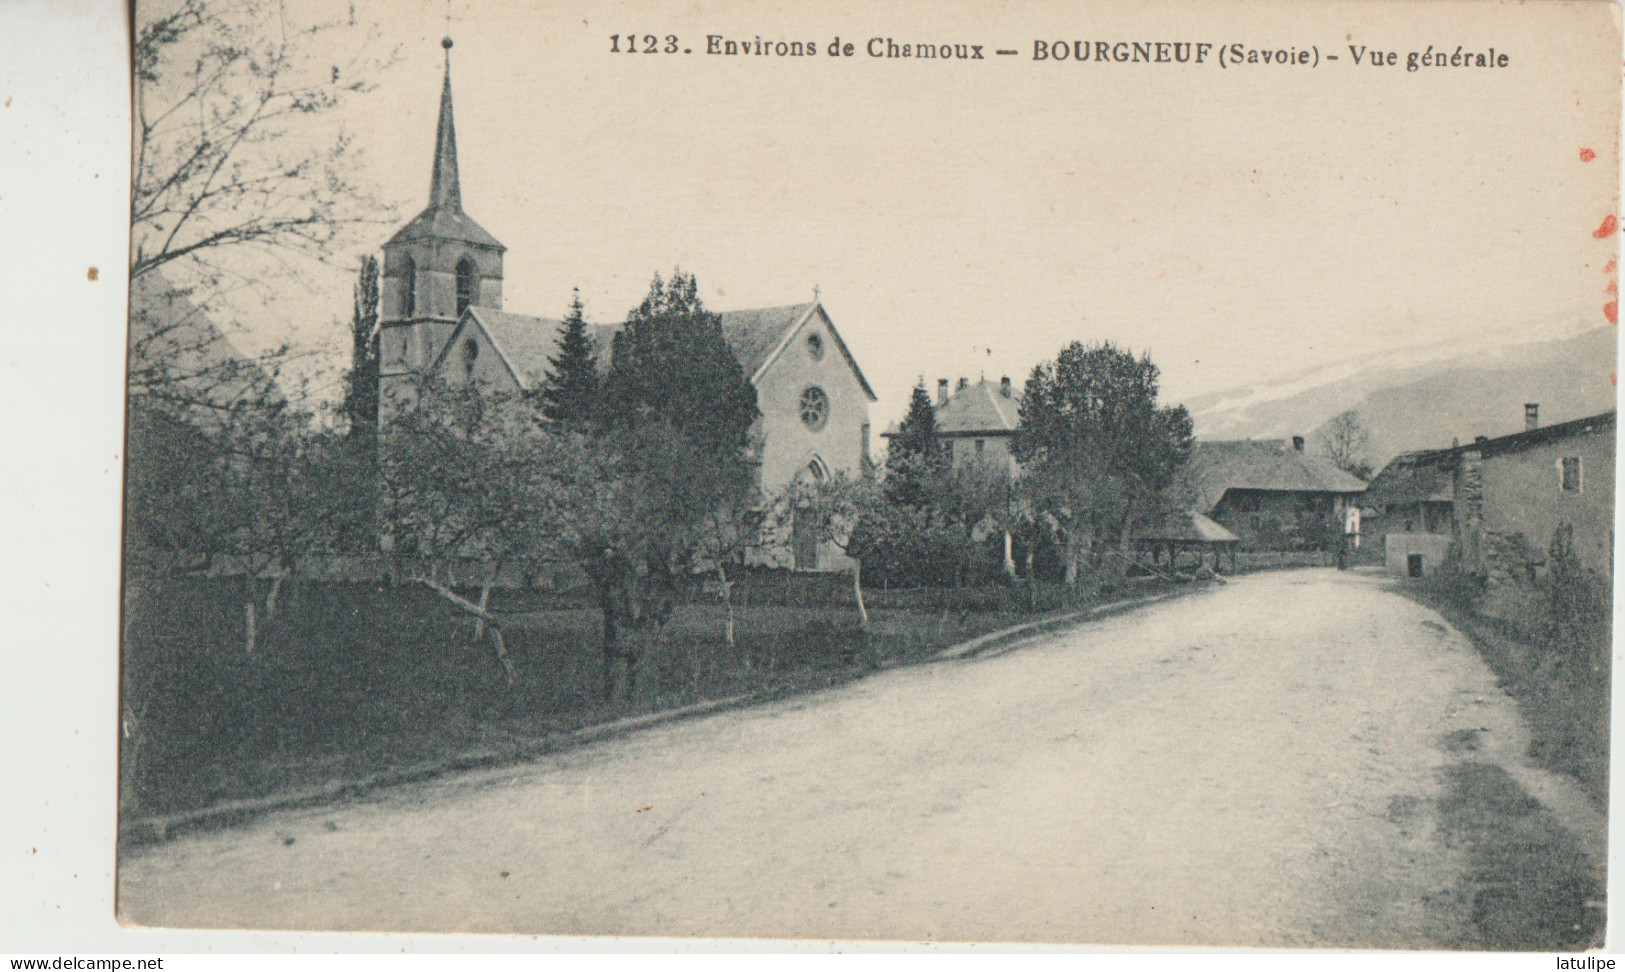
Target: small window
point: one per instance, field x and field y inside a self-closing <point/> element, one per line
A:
<point x="815" y="346"/>
<point x="1571" y="474"/>
<point x="409" y="283"/>
<point x="465" y="284"/>
<point x="814" y="408"/>
<point x="1257" y="522"/>
<point x="471" y="354"/>
<point x="980" y="445"/>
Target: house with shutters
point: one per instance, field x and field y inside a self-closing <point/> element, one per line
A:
<point x="441" y="313"/>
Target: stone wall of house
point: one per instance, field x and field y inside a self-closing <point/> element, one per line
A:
<point x="1509" y="505"/>
<point x="995" y="450"/>
<point x="1399" y="547"/>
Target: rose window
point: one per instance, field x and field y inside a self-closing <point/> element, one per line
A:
<point x="814" y="408"/>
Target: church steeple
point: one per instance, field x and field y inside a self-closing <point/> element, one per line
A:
<point x="444" y="190"/>
<point x="441" y="263"/>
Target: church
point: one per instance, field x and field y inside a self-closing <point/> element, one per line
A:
<point x="441" y="313"/>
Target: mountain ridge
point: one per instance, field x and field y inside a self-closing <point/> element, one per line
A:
<point x="1411" y="399"/>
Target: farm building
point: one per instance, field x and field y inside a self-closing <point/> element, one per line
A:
<point x="1406" y="514"/>
<point x="1514" y="495"/>
<point x="1273" y="495"/>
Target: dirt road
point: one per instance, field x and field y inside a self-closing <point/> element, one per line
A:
<point x="1292" y="759"/>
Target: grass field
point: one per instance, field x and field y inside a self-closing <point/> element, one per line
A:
<point x="351" y="679"/>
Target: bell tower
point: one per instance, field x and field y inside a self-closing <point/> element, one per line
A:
<point x="437" y="265"/>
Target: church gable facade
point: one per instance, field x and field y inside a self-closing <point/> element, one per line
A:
<point x="440" y="313"/>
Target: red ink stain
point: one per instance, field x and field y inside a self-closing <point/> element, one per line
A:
<point x="502" y="873"/>
<point x="1609" y="224"/>
<point x="1612" y="288"/>
<point x="1610" y="310"/>
<point x="645" y="808"/>
<point x="1586" y="155"/>
<point x="1613" y="264"/>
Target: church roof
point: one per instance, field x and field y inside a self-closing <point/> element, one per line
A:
<point x="444" y="218"/>
<point x="758" y="335"/>
<point x="1264" y="464"/>
<point x="444" y="224"/>
<point x="755" y="334"/>
<point x="527" y="344"/>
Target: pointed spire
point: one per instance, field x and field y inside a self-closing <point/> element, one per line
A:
<point x="444" y="191"/>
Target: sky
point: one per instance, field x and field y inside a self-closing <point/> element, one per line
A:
<point x="1240" y="224"/>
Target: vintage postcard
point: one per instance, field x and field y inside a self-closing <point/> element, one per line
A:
<point x="1100" y="474"/>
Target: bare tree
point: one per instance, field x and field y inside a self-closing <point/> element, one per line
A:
<point x="1344" y="439"/>
<point x="228" y="156"/>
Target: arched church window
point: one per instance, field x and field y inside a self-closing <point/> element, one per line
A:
<point x="471" y="353"/>
<point x="814" y="408"/>
<point x="465" y="284"/>
<point x="815" y="346"/>
<point x="409" y="296"/>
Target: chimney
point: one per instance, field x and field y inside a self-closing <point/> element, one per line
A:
<point x="963" y="384"/>
<point x="1297" y="442"/>
<point x="942" y="391"/>
<point x="1004" y="386"/>
<point x="1531" y="416"/>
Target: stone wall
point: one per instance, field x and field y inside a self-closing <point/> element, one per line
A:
<point x="1398" y="548"/>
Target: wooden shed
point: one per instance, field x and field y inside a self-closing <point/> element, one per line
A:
<point x="1185" y="532"/>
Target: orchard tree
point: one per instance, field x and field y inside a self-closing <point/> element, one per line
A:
<point x="650" y="506"/>
<point x="470" y="482"/>
<point x="671" y="465"/>
<point x="570" y="393"/>
<point x="1099" y="452"/>
<point x="851" y="513"/>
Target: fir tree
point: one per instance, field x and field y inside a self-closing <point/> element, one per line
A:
<point x="915" y="457"/>
<point x="570" y="394"/>
<point x="671" y="364"/>
<point x="361" y="387"/>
